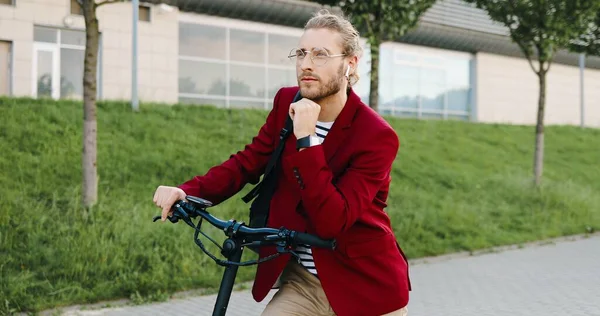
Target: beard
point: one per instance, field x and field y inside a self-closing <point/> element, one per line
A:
<point x="319" y="90"/>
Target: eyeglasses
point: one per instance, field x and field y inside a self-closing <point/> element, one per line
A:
<point x="319" y="56"/>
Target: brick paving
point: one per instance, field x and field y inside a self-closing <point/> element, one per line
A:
<point x="561" y="278"/>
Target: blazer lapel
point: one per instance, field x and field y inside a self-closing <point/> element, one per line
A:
<point x="341" y="127"/>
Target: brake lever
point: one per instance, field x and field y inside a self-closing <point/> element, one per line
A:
<point x="180" y="213"/>
<point x="282" y="250"/>
<point x="172" y="219"/>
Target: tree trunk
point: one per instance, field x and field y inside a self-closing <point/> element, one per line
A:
<point x="374" y="93"/>
<point x="538" y="163"/>
<point x="90" y="178"/>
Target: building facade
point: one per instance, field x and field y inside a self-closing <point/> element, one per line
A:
<point x="457" y="64"/>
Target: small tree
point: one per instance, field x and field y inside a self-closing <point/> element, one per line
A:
<point x="378" y="21"/>
<point x="92" y="36"/>
<point x="540" y="28"/>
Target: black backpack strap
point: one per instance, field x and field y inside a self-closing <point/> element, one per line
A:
<point x="283" y="135"/>
<point x="259" y="210"/>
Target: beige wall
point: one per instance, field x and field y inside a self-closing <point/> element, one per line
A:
<point x="16" y="26"/>
<point x="592" y="98"/>
<point x="157" y="49"/>
<point x="157" y="46"/>
<point x="507" y="92"/>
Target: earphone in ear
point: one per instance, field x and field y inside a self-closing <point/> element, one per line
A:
<point x="348" y="71"/>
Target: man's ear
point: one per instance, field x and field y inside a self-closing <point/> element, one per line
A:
<point x="353" y="63"/>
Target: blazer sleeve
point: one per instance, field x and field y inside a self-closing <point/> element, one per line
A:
<point x="334" y="208"/>
<point x="246" y="166"/>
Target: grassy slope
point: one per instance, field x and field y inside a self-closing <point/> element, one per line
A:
<point x="457" y="186"/>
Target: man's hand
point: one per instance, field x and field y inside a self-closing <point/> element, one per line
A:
<point x="165" y="197"/>
<point x="305" y="114"/>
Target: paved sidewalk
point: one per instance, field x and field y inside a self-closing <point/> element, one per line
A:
<point x="553" y="279"/>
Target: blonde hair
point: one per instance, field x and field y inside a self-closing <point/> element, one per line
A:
<point x="350" y="36"/>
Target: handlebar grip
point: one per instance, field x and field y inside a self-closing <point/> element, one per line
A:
<point x="312" y="240"/>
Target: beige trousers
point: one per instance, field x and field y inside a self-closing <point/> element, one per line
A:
<point x="301" y="294"/>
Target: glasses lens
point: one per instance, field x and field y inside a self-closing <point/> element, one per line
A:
<point x="319" y="56"/>
<point x="296" y="54"/>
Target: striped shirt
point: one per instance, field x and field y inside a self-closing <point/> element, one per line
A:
<point x="304" y="251"/>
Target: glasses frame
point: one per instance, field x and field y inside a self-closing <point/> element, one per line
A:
<point x="293" y="55"/>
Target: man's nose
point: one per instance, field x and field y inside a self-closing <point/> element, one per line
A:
<point x="306" y="63"/>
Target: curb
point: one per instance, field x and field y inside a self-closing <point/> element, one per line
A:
<point x="499" y="249"/>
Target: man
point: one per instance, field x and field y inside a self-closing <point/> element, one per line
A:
<point x="333" y="182"/>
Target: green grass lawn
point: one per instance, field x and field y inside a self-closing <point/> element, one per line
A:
<point x="456" y="186"/>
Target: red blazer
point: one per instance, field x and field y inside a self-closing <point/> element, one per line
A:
<point x="334" y="190"/>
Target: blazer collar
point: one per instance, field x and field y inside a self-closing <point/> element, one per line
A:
<point x="340" y="129"/>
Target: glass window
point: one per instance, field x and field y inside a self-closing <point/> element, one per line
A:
<point x="385" y="111"/>
<point x="71" y="73"/>
<point x="247" y="104"/>
<point x="387" y="85"/>
<point x="279" y="49"/>
<point x="432" y="95"/>
<point x="458" y="117"/>
<point x="406" y="73"/>
<point x="247" y="46"/>
<point x="401" y="56"/>
<point x="44" y="34"/>
<point x="407" y="95"/>
<point x="279" y="78"/>
<point x="424" y="82"/>
<point x="458" y="72"/>
<point x="5" y="67"/>
<point x="247" y="81"/>
<point x="44" y="73"/>
<point x="202" y="101"/>
<point x="411" y="114"/>
<point x="403" y="88"/>
<point x="431" y="75"/>
<point x="459" y="99"/>
<point x="202" y="41"/>
<point x="201" y="77"/>
<point x="433" y="60"/>
<point x="76" y="8"/>
<point x="363" y="86"/>
<point x="252" y="65"/>
<point x="67" y="49"/>
<point x="144" y="13"/>
<point x="7" y="2"/>
<point x="71" y="37"/>
<point x="433" y="102"/>
<point x="432" y="115"/>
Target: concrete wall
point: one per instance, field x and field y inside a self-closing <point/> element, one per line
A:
<point x="508" y="92"/>
<point x="157" y="46"/>
<point x="16" y="26"/>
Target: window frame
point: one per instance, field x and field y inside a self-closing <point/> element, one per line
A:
<point x="13" y="3"/>
<point x="421" y="55"/>
<point x="57" y="46"/>
<point x="228" y="25"/>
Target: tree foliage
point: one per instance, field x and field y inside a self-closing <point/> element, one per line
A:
<point x="589" y="42"/>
